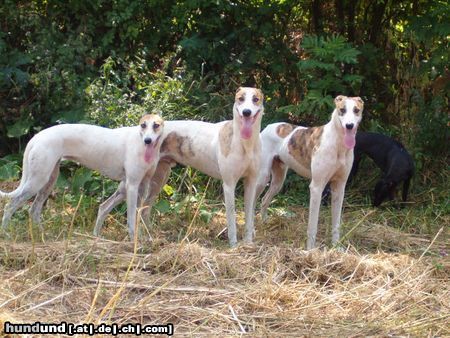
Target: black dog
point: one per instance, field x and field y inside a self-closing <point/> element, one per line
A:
<point x="391" y="157"/>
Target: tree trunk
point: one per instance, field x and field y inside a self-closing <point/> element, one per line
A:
<point x="316" y="11"/>
<point x="340" y="16"/>
<point x="351" y="9"/>
<point x="375" y="23"/>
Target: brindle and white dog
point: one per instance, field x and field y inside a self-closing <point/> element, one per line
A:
<point x="322" y="154"/>
<point x="227" y="150"/>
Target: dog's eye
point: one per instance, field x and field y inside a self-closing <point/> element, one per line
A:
<point x="342" y="110"/>
<point x="255" y="99"/>
<point x="241" y="98"/>
<point x="143" y="125"/>
<point x="155" y="126"/>
<point x="356" y="110"/>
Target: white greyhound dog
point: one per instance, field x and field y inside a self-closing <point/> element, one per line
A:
<point x="227" y="150"/>
<point x="124" y="154"/>
<point x="323" y="154"/>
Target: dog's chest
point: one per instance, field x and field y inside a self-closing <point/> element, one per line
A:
<point x="240" y="162"/>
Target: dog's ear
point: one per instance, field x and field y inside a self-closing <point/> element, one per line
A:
<point x="260" y="94"/>
<point x="144" y="118"/>
<point x="239" y="89"/>
<point x="159" y="120"/>
<point x="339" y="99"/>
<point x="359" y="100"/>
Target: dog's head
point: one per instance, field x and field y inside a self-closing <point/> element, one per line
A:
<point x="151" y="128"/>
<point x="248" y="107"/>
<point x="349" y="113"/>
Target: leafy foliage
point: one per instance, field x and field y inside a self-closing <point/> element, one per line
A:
<point x="111" y="62"/>
<point x="326" y="73"/>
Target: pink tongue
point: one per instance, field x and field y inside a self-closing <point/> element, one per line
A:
<point x="148" y="155"/>
<point x="349" y="138"/>
<point x="246" y="128"/>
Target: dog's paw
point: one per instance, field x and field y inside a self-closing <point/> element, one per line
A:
<point x="248" y="240"/>
<point x="264" y="217"/>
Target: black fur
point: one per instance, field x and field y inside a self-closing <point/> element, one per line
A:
<point x="391" y="157"/>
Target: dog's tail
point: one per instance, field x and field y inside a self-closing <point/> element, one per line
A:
<point x="405" y="188"/>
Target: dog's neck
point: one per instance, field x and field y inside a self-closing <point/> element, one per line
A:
<point x="248" y="144"/>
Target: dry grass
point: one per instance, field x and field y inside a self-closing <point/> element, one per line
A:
<point x="387" y="282"/>
<point x="262" y="289"/>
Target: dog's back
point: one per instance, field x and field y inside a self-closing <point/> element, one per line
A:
<point x="391" y="157"/>
<point x="387" y="153"/>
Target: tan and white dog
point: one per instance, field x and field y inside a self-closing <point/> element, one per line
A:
<point x="323" y="154"/>
<point x="125" y="154"/>
<point x="227" y="150"/>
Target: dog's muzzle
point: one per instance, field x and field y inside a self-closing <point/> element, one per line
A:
<point x="247" y="122"/>
<point x="246" y="112"/>
<point x="349" y="135"/>
<point x="150" y="148"/>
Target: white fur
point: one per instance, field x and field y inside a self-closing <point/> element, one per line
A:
<point x="204" y="154"/>
<point x="331" y="161"/>
<point x="116" y="153"/>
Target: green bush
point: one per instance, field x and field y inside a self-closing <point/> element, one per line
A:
<point x="326" y="72"/>
<point x="111" y="62"/>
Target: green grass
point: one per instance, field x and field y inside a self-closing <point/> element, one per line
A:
<point x="424" y="214"/>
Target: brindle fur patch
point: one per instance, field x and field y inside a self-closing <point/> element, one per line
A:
<point x="303" y="143"/>
<point x="339" y="101"/>
<point x="241" y="93"/>
<point x="259" y="94"/>
<point x="176" y="144"/>
<point x="359" y="102"/>
<point x="225" y="136"/>
<point x="284" y="129"/>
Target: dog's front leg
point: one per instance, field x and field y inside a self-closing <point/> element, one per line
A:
<point x="315" y="190"/>
<point x="249" y="204"/>
<point x="132" y="197"/>
<point x="337" y="198"/>
<point x="228" y="191"/>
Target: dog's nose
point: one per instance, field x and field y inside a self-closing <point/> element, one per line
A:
<point x="349" y="126"/>
<point x="246" y="112"/>
<point x="148" y="140"/>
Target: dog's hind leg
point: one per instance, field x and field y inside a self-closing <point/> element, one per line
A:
<point x="106" y="207"/>
<point x="26" y="190"/>
<point x="337" y="199"/>
<point x="261" y="184"/>
<point x="15" y="203"/>
<point x="279" y="170"/>
<point x="405" y="189"/>
<point x="157" y="182"/>
<point x="42" y="196"/>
